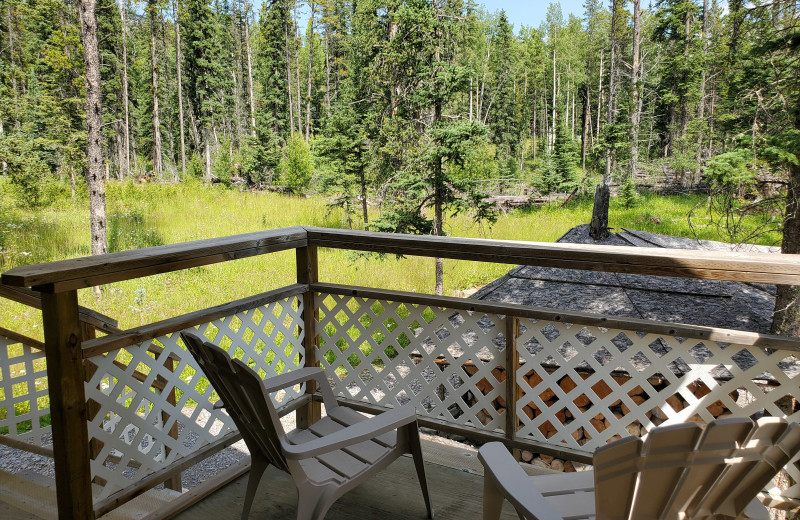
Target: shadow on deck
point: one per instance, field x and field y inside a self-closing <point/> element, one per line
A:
<point x="453" y="470"/>
<point x="392" y="494"/>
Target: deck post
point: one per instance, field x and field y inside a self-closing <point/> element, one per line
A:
<point x="308" y="273"/>
<point x="512" y="389"/>
<point x="65" y="376"/>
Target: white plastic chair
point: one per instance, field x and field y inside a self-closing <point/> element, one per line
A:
<point x="333" y="456"/>
<point x="679" y="472"/>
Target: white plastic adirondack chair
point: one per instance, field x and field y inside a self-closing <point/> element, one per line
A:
<point x="679" y="472"/>
<point x="333" y="456"/>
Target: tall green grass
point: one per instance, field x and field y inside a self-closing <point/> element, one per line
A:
<point x="154" y="214"/>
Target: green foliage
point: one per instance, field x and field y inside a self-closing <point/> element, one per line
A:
<point x="733" y="207"/>
<point x="194" y="167"/>
<point x="729" y="172"/>
<point x="222" y="164"/>
<point x="130" y="230"/>
<point x="628" y="195"/>
<point x="504" y="120"/>
<point x="297" y="166"/>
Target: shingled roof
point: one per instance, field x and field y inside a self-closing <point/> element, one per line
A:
<point x="735" y="305"/>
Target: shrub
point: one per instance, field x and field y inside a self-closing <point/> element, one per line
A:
<point x="628" y="195"/>
<point x="297" y="164"/>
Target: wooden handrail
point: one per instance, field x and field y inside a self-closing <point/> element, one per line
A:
<point x="89" y="271"/>
<point x="713" y="265"/>
<point x="25" y="340"/>
<point x="583" y="318"/>
<point x="126" y="338"/>
<point x="33" y="299"/>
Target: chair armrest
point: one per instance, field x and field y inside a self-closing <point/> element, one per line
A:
<point x="353" y="434"/>
<point x="273" y="384"/>
<point x="514" y="483"/>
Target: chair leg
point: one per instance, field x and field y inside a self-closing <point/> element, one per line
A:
<point x="313" y="504"/>
<point x="492" y="500"/>
<point x="257" y="467"/>
<point x="416" y="453"/>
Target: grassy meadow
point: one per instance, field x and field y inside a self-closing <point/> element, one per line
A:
<point x="156" y="214"/>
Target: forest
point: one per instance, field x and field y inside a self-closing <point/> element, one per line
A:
<point x="408" y="102"/>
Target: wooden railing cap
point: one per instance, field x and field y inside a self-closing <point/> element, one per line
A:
<point x="686" y="263"/>
<point x="84" y="272"/>
<point x="78" y="273"/>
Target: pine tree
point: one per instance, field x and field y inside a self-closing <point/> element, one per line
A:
<point x="503" y="120"/>
<point x="202" y="65"/>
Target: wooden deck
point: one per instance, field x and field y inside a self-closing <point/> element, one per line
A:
<point x="453" y="471"/>
<point x="393" y="494"/>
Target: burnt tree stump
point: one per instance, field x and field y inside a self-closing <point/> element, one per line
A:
<point x="599" y="227"/>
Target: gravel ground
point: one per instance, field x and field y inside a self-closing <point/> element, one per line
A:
<point x="17" y="461"/>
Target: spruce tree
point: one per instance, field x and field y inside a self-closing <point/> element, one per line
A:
<point x="503" y="117"/>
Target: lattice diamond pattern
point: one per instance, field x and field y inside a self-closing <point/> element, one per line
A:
<point x="446" y="363"/>
<point x="584" y="386"/>
<point x="24" y="399"/>
<point x="136" y="399"/>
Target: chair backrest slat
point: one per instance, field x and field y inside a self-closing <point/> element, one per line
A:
<point x="665" y="457"/>
<point x="243" y="395"/>
<point x="759" y="456"/>
<point x="685" y="472"/>
<point x="615" y="471"/>
<point x="718" y="443"/>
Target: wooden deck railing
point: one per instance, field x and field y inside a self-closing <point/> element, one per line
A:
<point x="553" y="381"/>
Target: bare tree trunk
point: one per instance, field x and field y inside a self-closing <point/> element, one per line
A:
<point x="470" y="100"/>
<point x="208" y="155"/>
<point x="310" y="70"/>
<point x="178" y="66"/>
<point x="611" y="81"/>
<point x="635" y="114"/>
<point x="289" y="74"/>
<point x="94" y="150"/>
<point x="551" y="139"/>
<point x="438" y="181"/>
<point x="533" y="132"/>
<point x="126" y="169"/>
<point x="599" y="94"/>
<point x="246" y="8"/>
<point x="786" y="320"/>
<point x="364" y="205"/>
<point x="297" y="70"/>
<point x="703" y="78"/>
<point x="152" y="9"/>
<point x="3" y="163"/>
<point x="11" y="52"/>
<point x="586" y="123"/>
<point x="327" y="64"/>
<point x="170" y="108"/>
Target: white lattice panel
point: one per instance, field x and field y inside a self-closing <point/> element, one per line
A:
<point x="444" y="362"/>
<point x="24" y="399"/>
<point x="131" y="387"/>
<point x="584" y="386"/>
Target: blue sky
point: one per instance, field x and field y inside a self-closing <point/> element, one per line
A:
<point x="519" y="12"/>
<point x="531" y="12"/>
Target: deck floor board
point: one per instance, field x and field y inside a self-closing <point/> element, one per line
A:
<point x="393" y="494"/>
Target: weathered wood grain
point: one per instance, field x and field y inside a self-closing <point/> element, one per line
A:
<point x="742" y="267"/>
<point x="33" y="299"/>
<point x="391" y="494"/>
<point x="65" y="377"/>
<point x="89" y="271"/>
<point x="25" y="340"/>
<point x="308" y="273"/>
